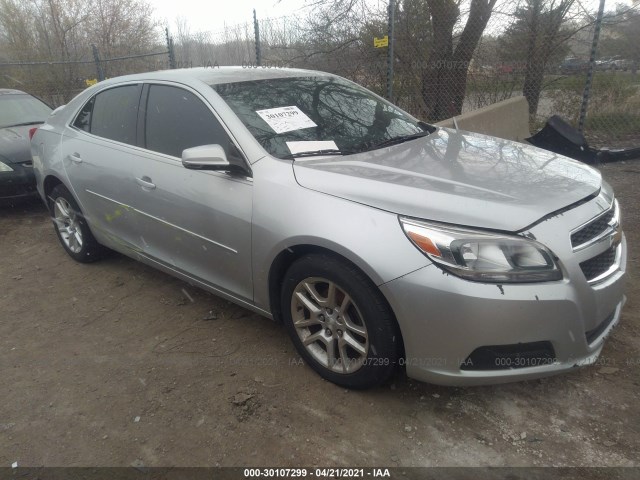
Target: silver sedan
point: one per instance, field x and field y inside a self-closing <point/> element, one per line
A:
<point x="378" y="240"/>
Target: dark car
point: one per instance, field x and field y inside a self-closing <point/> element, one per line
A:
<point x="19" y="113"/>
<point x="573" y="65"/>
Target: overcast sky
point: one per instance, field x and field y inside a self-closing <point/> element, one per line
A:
<point x="212" y="15"/>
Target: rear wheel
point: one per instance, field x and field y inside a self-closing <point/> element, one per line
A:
<point x="339" y="322"/>
<point x="72" y="229"/>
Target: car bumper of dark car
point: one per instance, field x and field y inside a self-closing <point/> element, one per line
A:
<point x="20" y="184"/>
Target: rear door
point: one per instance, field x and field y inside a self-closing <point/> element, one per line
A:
<point x="99" y="153"/>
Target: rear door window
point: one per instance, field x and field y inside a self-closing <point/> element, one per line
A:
<point x="112" y="114"/>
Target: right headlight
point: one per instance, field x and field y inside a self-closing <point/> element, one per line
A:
<point x="5" y="168"/>
<point x="482" y="256"/>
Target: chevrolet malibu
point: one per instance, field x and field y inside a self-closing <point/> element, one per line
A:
<point x="378" y="240"/>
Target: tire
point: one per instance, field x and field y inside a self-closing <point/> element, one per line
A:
<point x="339" y="322"/>
<point x="72" y="229"/>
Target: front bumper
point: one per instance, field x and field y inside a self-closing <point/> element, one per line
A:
<point x="19" y="184"/>
<point x="445" y="319"/>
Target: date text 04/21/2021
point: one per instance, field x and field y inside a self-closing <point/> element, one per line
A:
<point x="317" y="472"/>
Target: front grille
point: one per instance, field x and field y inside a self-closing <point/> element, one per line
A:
<point x="592" y="335"/>
<point x="596" y="266"/>
<point x="593" y="229"/>
<point x="507" y="357"/>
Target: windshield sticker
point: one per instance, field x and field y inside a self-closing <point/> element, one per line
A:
<point x="286" y="119"/>
<point x="312" y="146"/>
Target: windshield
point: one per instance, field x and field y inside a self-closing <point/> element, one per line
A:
<point x="21" y="109"/>
<point x="316" y="114"/>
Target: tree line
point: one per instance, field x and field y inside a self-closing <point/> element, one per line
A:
<point x="443" y="48"/>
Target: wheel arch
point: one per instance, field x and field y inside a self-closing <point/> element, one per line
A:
<point x="50" y="182"/>
<point x="289" y="255"/>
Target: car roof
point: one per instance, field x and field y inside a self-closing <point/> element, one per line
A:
<point x="9" y="91"/>
<point x="213" y="75"/>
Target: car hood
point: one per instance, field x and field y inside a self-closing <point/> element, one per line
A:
<point x="14" y="143"/>
<point x="455" y="177"/>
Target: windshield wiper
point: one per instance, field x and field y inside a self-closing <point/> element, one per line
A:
<point x="427" y="130"/>
<point x="320" y="153"/>
<point x="397" y="140"/>
<point x="23" y="124"/>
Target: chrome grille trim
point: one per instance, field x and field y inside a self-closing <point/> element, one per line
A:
<point x="612" y="225"/>
<point x="612" y="268"/>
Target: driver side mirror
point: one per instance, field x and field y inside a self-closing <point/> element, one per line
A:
<point x="206" y="157"/>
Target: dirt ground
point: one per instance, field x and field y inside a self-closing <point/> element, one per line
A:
<point x="116" y="364"/>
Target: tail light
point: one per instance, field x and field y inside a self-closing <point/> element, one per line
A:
<point x="32" y="132"/>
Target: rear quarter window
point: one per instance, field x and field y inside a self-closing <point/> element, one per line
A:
<point x="83" y="120"/>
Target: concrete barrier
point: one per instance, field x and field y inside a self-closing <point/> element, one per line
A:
<point x="508" y="119"/>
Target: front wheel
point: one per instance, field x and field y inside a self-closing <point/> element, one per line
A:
<point x="339" y="322"/>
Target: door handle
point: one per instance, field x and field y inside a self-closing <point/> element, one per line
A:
<point x="145" y="182"/>
<point x="75" y="158"/>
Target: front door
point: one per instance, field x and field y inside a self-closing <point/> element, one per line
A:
<point x="197" y="221"/>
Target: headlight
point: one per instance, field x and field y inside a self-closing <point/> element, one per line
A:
<point x="5" y="168"/>
<point x="481" y="256"/>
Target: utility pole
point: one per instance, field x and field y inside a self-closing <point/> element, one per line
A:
<point x="256" y="30"/>
<point x="390" y="60"/>
<point x="592" y="64"/>
<point x="170" y="50"/>
<point x="96" y="58"/>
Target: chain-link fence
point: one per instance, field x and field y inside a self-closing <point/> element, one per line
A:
<point x="55" y="82"/>
<point x="58" y="81"/>
<point x="235" y="45"/>
<point x="446" y="61"/>
<point x="541" y="50"/>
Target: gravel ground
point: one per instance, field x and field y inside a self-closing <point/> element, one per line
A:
<point x="116" y="364"/>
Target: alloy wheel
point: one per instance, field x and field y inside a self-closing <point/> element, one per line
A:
<point x="66" y="220"/>
<point x="330" y="325"/>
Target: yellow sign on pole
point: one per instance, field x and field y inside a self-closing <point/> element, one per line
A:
<point x="381" y="42"/>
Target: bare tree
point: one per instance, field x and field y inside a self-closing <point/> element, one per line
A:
<point x="121" y="27"/>
<point x="444" y="80"/>
<point x="434" y="44"/>
<point x="62" y="32"/>
<point x="538" y="35"/>
<point x="47" y="30"/>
